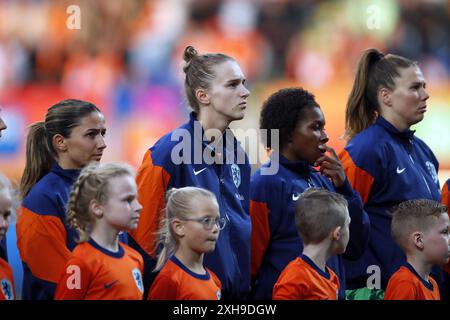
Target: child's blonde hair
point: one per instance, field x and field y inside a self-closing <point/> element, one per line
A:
<point x="180" y="203"/>
<point x="5" y="184"/>
<point x="318" y="212"/>
<point x="92" y="183"/>
<point x="7" y="187"/>
<point x="414" y="215"/>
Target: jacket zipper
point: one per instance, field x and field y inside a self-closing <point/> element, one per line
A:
<point x="420" y="171"/>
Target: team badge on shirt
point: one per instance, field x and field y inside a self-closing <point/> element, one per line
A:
<point x="236" y="173"/>
<point x="432" y="171"/>
<point x="138" y="279"/>
<point x="7" y="289"/>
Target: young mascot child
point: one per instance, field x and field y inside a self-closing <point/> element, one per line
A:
<point x="190" y="229"/>
<point x="6" y="274"/>
<point x="421" y="230"/>
<point x="322" y="220"/>
<point x="103" y="203"/>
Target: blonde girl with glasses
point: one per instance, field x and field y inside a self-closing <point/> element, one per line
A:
<point x="190" y="229"/>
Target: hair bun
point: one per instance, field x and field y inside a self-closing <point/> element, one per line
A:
<point x="189" y="54"/>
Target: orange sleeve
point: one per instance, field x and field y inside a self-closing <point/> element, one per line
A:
<point x="74" y="281"/>
<point x="41" y="241"/>
<point x="152" y="182"/>
<point x="446" y="194"/>
<point x="400" y="290"/>
<point x="163" y="288"/>
<point x="259" y="214"/>
<point x="360" y="180"/>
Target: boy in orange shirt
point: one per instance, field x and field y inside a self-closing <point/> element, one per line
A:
<point x="421" y="229"/>
<point x="322" y="220"/>
<point x="446" y="201"/>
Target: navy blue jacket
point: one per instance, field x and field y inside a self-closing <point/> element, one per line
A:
<point x="275" y="240"/>
<point x="43" y="238"/>
<point x="387" y="167"/>
<point x="167" y="165"/>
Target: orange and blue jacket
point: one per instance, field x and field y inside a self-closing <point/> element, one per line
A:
<point x="44" y="239"/>
<point x="275" y="240"/>
<point x="387" y="167"/>
<point x="183" y="158"/>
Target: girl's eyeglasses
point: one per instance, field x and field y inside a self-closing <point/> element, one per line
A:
<point x="208" y="222"/>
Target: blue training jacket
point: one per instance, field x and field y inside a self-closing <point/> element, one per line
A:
<point x="44" y="239"/>
<point x="386" y="167"/>
<point x="229" y="181"/>
<point x="275" y="240"/>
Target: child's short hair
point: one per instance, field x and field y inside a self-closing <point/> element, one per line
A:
<point x="414" y="215"/>
<point x="92" y="183"/>
<point x="318" y="212"/>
